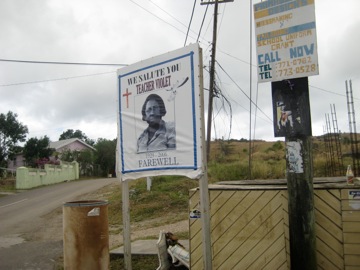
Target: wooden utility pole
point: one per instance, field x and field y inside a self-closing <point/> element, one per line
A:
<point x="293" y="94"/>
<point x="212" y="72"/>
<point x="301" y="207"/>
<point x="211" y="86"/>
<point x="292" y="119"/>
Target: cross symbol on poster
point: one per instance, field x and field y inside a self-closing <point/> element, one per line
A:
<point x="127" y="94"/>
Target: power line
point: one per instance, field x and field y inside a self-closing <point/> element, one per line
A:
<point x="192" y="15"/>
<point x="59" y="63"/>
<point x="202" y="23"/>
<point x="244" y="92"/>
<point x="58" y="79"/>
<point x="322" y="89"/>
<point x="158" y="17"/>
<point x="173" y="17"/>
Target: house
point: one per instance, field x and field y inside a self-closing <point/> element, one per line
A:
<point x="73" y="144"/>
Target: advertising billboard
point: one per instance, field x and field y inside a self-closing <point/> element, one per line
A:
<point x="286" y="44"/>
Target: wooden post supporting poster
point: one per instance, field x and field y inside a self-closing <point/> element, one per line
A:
<point x="205" y="220"/>
<point x="291" y="111"/>
<point x="126" y="224"/>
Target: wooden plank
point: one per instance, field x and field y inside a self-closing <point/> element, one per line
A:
<point x="196" y="256"/>
<point x="352" y="249"/>
<point x="352" y="238"/>
<point x="324" y="263"/>
<point x="353" y="260"/>
<point x="224" y="196"/>
<point x="214" y="194"/>
<point x="194" y="199"/>
<point x="259" y="209"/>
<point x="328" y="225"/>
<point x="327" y="252"/>
<point x="350" y="205"/>
<point x="329" y="240"/>
<point x="352" y="267"/>
<point x="225" y="206"/>
<point x="351" y="227"/>
<point x="327" y="210"/>
<point x="351" y="216"/>
<point x="274" y="256"/>
<point x="244" y="212"/>
<point x="250" y="242"/>
<point x="256" y="249"/>
<point x="329" y="198"/>
<point x="335" y="192"/>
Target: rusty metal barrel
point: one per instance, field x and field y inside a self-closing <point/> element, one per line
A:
<point x="86" y="235"/>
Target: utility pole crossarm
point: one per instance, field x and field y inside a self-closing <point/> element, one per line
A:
<point x="213" y="2"/>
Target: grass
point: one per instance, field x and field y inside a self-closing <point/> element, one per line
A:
<point x="168" y="197"/>
<point x="137" y="262"/>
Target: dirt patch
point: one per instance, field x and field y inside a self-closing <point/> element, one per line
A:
<point x="51" y="228"/>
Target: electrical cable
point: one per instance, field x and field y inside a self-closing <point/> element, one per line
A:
<point x="59" y="63"/>
<point x="170" y="15"/>
<point x="58" y="79"/>
<point x="192" y="15"/>
<point x="158" y="17"/>
<point x="202" y="23"/>
<point x="243" y="92"/>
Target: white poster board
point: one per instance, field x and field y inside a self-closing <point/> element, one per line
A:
<point x="160" y="116"/>
<point x="285" y="39"/>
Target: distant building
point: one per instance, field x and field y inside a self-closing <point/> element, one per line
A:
<point x="73" y="144"/>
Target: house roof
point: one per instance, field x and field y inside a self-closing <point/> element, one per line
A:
<point x="59" y="144"/>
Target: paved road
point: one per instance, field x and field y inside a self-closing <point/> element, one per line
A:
<point x="22" y="213"/>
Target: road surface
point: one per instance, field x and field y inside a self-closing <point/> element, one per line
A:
<point x="23" y="213"/>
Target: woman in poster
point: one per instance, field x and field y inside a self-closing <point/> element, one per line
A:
<point x="159" y="135"/>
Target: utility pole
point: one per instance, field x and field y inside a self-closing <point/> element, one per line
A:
<point x="212" y="72"/>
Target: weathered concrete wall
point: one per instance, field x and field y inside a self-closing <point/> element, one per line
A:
<point x="27" y="178"/>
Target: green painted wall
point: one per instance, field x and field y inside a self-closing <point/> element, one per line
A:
<point x="27" y="178"/>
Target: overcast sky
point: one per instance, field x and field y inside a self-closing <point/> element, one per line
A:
<point x="51" y="98"/>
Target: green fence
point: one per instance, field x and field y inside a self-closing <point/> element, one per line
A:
<point x="27" y="178"/>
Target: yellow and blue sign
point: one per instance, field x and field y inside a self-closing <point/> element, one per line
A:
<point x="286" y="39"/>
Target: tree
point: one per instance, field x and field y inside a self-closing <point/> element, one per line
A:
<point x="85" y="158"/>
<point x="37" y="149"/>
<point x="70" y="133"/>
<point x="105" y="155"/>
<point x="86" y="161"/>
<point x="11" y="132"/>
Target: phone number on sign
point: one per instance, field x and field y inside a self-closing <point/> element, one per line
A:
<point x="295" y="70"/>
<point x="295" y="67"/>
